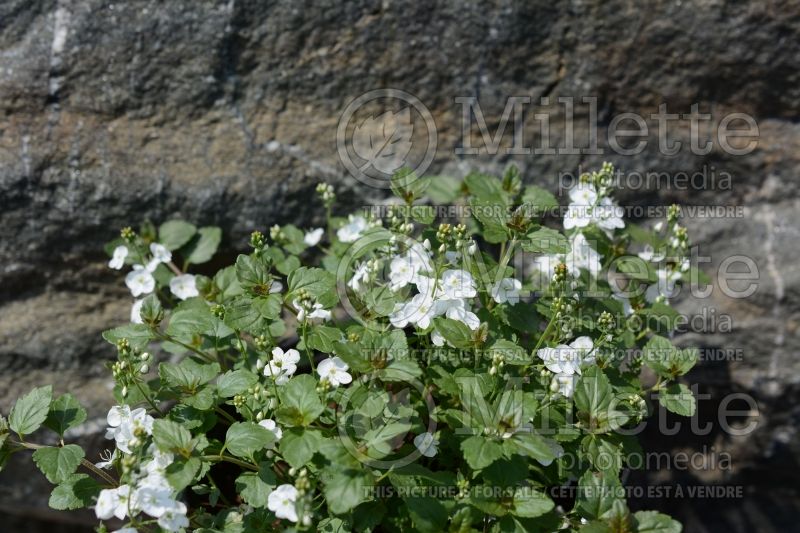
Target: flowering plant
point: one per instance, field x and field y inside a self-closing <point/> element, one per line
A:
<point x="419" y="377"/>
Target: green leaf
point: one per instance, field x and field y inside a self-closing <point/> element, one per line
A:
<point x="243" y="439"/>
<point x="322" y="338"/>
<point x="597" y="493"/>
<point x="65" y="413"/>
<point x="511" y="353"/>
<point x="170" y="436"/>
<point x="635" y="268"/>
<point x="151" y="312"/>
<point x="603" y="454"/>
<point x="175" y="233"/>
<point x="407" y="186"/>
<point x="204" y="245"/>
<point x="138" y="335"/>
<point x="666" y="360"/>
<point x="530" y="503"/>
<point x="654" y="522"/>
<point x="345" y="489"/>
<point x="545" y="240"/>
<point x="530" y="445"/>
<point x="455" y="332"/>
<point x="301" y="403"/>
<point x="185" y="323"/>
<point x="298" y="445"/>
<point x="427" y="514"/>
<point x="188" y="374"/>
<point x="539" y="199"/>
<point x="320" y="284"/>
<point x="77" y="491"/>
<point x="183" y="472"/>
<point x="593" y="397"/>
<point x="253" y="275"/>
<point x="30" y="411"/>
<point x="444" y="189"/>
<point x="253" y="314"/>
<point x="57" y="463"/>
<point x="480" y="452"/>
<point x="678" y="398"/>
<point x="235" y="382"/>
<point x="255" y="487"/>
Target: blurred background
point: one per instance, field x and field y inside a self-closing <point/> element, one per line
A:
<point x="225" y="113"/>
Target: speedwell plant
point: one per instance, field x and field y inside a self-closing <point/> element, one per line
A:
<point x="388" y="372"/>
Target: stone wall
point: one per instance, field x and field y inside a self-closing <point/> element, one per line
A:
<point x="225" y="113"/>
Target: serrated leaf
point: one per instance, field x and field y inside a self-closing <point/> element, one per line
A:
<point x="255" y="487"/>
<point x="597" y="494"/>
<point x="138" y="335"/>
<point x="170" y="436"/>
<point x="58" y="463"/>
<point x="298" y="445"/>
<point x="243" y="439"/>
<point x="30" y="411"/>
<point x="65" y="413"/>
<point x="480" y="452"/>
<point x="345" y="489"/>
<point x="77" y="491"/>
<point x="301" y="401"/>
<point x="545" y="240"/>
<point x="655" y="522"/>
<point x="235" y="382"/>
<point x="679" y="399"/>
<point x="530" y="503"/>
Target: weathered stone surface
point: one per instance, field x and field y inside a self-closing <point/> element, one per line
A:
<point x="226" y="112"/>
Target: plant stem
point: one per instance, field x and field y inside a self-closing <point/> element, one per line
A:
<point x="229" y="459"/>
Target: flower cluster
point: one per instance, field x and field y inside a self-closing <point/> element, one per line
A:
<point x="399" y="354"/>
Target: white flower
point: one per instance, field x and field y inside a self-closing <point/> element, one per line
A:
<point x="436" y="338"/>
<point x="317" y="311"/>
<point x="457" y="284"/>
<point x="582" y="255"/>
<point x="458" y="310"/>
<point x="577" y="216"/>
<point x="154" y="499"/>
<point x="126" y="530"/>
<point x="360" y="277"/>
<point x="160" y="253"/>
<point x="183" y="286"/>
<point x="426" y="444"/>
<point x="506" y="290"/>
<point x="351" y="231"/>
<point x="159" y="463"/>
<point x="122" y="423"/>
<point x="270" y="425"/>
<point x="113" y="502"/>
<point x="283" y="365"/>
<point x="419" y="311"/>
<point x="118" y="260"/>
<point x="313" y="237"/>
<point x="275" y="287"/>
<point x="563" y="384"/>
<point x="136" y="312"/>
<point x="567" y="359"/>
<point x="334" y="371"/>
<point x="175" y="519"/>
<point x="583" y="194"/>
<point x="402" y="272"/>
<point x="140" y="281"/>
<point x="281" y="501"/>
